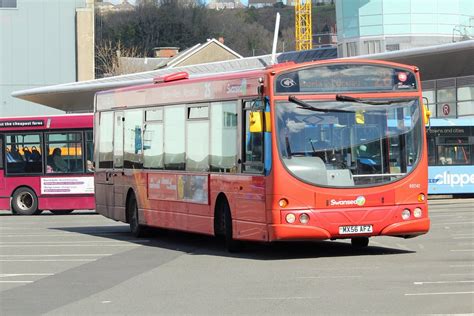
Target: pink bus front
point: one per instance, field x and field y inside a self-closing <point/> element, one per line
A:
<point x="46" y="164"/>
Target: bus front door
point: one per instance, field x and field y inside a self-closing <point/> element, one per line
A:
<point x="118" y="172"/>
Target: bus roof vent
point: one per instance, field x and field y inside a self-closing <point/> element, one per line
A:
<point x="172" y="77"/>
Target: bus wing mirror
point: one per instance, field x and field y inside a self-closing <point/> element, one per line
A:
<point x="255" y="122"/>
<point x="426" y="113"/>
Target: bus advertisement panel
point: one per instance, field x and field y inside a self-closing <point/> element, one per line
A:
<point x="451" y="156"/>
<point x="46" y="164"/>
<point x="322" y="150"/>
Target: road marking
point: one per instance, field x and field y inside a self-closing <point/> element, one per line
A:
<point x="456" y="274"/>
<point x="278" y="298"/>
<point x="330" y="277"/>
<point x="461" y="266"/>
<point x="461" y="250"/>
<point x="70" y="255"/>
<point x="6" y="275"/>
<point x="16" y="281"/>
<point x="452" y="223"/>
<point x="73" y="242"/>
<point x="471" y="237"/>
<point x="72" y="245"/>
<point x="47" y="260"/>
<point x="439" y="293"/>
<point x="442" y="282"/>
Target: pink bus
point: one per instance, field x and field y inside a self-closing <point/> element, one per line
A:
<point x="46" y="164"/>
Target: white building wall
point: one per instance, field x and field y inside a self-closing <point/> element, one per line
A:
<point x="37" y="48"/>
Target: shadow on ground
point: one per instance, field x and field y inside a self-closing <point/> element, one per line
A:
<point x="195" y="244"/>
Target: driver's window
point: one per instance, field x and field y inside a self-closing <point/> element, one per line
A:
<point x="252" y="156"/>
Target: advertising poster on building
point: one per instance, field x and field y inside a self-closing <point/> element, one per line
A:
<point x="67" y="185"/>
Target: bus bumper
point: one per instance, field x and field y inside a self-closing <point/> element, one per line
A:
<point x="407" y="229"/>
<point x="294" y="232"/>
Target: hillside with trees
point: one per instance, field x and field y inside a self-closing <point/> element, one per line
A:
<point x="248" y="31"/>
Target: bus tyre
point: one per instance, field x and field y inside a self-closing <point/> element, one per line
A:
<point x="360" y="242"/>
<point x="61" y="212"/>
<point x="25" y="202"/>
<point x="135" y="228"/>
<point x="231" y="244"/>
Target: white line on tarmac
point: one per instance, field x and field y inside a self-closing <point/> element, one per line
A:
<point x="439" y="293"/>
<point x="70" y="255"/>
<point x="453" y="223"/>
<point x="442" y="282"/>
<point x="6" y="275"/>
<point x="470" y="237"/>
<point x="462" y="250"/>
<point x="74" y="242"/>
<point x="457" y="274"/>
<point x="331" y="277"/>
<point x="47" y="260"/>
<point x="74" y="245"/>
<point x="16" y="281"/>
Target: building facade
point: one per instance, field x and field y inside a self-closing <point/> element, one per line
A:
<point x="377" y="26"/>
<point x="43" y="42"/>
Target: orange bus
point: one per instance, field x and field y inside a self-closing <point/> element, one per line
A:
<point x="322" y="150"/>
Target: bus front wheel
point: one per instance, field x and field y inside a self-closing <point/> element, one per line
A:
<point x="231" y="244"/>
<point x="360" y="242"/>
<point x="25" y="202"/>
<point x="135" y="228"/>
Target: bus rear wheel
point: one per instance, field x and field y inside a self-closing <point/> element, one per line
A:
<point x="132" y="211"/>
<point x="360" y="242"/>
<point x="61" y="212"/>
<point x="25" y="202"/>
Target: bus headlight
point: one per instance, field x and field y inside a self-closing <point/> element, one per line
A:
<point x="304" y="218"/>
<point x="290" y="218"/>
<point x="417" y="212"/>
<point x="406" y="214"/>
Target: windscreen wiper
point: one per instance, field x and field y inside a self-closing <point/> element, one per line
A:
<point x="346" y="98"/>
<point x="307" y="106"/>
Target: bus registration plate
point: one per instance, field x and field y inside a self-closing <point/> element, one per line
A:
<point x="359" y="229"/>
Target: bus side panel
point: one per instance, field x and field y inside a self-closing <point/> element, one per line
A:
<point x="66" y="202"/>
<point x="246" y="196"/>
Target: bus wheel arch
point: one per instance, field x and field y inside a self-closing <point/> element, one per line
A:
<point x="223" y="223"/>
<point x="131" y="213"/>
<point x="24" y="201"/>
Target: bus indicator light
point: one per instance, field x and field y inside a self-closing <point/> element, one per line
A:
<point x="421" y="197"/>
<point x="283" y="203"/>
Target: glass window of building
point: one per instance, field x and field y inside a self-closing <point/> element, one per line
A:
<point x="7" y="4"/>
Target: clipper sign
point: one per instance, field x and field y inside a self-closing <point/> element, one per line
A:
<point x="360" y="201"/>
<point x="455" y="180"/>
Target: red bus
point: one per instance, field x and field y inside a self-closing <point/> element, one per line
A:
<point x="321" y="150"/>
<point x="46" y="164"/>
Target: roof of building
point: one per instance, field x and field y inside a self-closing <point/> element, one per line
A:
<point x="434" y="62"/>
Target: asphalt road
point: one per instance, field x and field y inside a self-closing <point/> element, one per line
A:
<point x="84" y="264"/>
